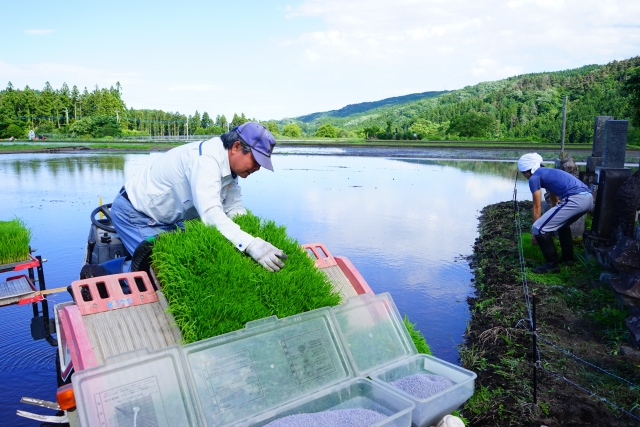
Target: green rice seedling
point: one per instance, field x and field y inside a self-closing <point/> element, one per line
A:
<point x="14" y="241"/>
<point x="213" y="289"/>
<point x="417" y="337"/>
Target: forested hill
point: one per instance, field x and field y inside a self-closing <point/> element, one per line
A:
<point x="527" y="106"/>
<point x="366" y="106"/>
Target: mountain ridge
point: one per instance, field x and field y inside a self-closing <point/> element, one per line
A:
<point x="362" y="107"/>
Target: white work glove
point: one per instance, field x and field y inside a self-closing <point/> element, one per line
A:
<point x="265" y="254"/>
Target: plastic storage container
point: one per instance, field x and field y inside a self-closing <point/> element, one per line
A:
<point x="274" y="368"/>
<point x="353" y="394"/>
<point x="380" y="347"/>
<point x="135" y="389"/>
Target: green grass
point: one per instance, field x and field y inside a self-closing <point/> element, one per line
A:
<point x="14" y="241"/>
<point x="417" y="337"/>
<point x="212" y="288"/>
<point x="531" y="252"/>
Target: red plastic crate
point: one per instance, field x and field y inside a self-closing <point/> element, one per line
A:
<point x="115" y="297"/>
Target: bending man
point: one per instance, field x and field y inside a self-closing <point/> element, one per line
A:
<point x="199" y="179"/>
<point x="570" y="199"/>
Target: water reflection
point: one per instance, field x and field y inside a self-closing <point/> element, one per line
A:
<point x="63" y="163"/>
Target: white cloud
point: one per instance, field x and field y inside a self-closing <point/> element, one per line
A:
<point x="38" y="32"/>
<point x="330" y="53"/>
<point x="467" y="40"/>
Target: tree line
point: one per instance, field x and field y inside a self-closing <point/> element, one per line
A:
<point x="97" y="114"/>
<point x="525" y="107"/>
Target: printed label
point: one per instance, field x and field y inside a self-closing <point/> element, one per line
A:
<point x="121" y="405"/>
<point x="232" y="381"/>
<point x="308" y="356"/>
<point x="119" y="303"/>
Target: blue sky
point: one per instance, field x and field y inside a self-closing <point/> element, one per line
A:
<point x="275" y="59"/>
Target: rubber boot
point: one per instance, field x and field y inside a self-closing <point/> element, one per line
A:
<point x="141" y="258"/>
<point x="113" y="266"/>
<point x="566" y="245"/>
<point x="548" y="248"/>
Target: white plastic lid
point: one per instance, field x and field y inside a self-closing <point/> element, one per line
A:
<point x="136" y="388"/>
<point x="269" y="363"/>
<point x="374" y="332"/>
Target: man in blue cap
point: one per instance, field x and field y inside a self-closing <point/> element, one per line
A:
<point x="194" y="180"/>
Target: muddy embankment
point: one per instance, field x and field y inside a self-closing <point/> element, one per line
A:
<point x="573" y="312"/>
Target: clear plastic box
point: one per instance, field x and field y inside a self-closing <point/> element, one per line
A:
<point x="380" y="347"/>
<point x="307" y="363"/>
<point x="274" y="368"/>
<point x="135" y="388"/>
<point x="430" y="410"/>
<point x="353" y="394"/>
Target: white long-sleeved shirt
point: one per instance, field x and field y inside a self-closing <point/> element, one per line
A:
<point x="190" y="181"/>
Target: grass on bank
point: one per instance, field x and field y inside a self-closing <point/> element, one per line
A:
<point x="14" y="241"/>
<point x="570" y="285"/>
<point x="573" y="311"/>
<point x="212" y="288"/>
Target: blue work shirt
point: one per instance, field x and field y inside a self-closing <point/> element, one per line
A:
<point x="561" y="183"/>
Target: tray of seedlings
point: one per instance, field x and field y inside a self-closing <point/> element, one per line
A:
<point x="15" y="255"/>
<point x="212" y="288"/>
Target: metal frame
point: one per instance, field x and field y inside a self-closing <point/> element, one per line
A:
<point x="34" y="267"/>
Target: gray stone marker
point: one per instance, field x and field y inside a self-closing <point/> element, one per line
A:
<point x="595" y="159"/>
<point x="593" y="163"/>
<point x="615" y="143"/>
<point x="598" y="135"/>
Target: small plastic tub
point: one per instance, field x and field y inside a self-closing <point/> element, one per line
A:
<point x="352" y="394"/>
<point x="430" y="410"/>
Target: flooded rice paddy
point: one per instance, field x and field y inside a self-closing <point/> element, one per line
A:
<point x="407" y="224"/>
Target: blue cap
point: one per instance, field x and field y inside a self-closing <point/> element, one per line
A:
<point x="260" y="140"/>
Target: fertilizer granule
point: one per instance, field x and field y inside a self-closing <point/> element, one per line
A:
<point x="344" y="418"/>
<point x="422" y="385"/>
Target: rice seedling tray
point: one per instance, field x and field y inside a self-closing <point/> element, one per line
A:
<point x="14" y="289"/>
<point x="30" y="262"/>
<point x="14" y="242"/>
<point x="212" y="288"/>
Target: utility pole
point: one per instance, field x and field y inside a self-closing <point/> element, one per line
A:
<point x="66" y="113"/>
<point x="564" y="125"/>
<point x="117" y="116"/>
<point x="187" y="134"/>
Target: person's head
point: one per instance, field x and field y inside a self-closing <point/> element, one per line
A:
<point x="249" y="147"/>
<point x="529" y="163"/>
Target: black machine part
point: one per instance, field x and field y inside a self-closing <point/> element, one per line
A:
<point x="103" y="225"/>
<point x="102" y="244"/>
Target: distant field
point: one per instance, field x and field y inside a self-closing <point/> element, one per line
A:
<point x="57" y="146"/>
